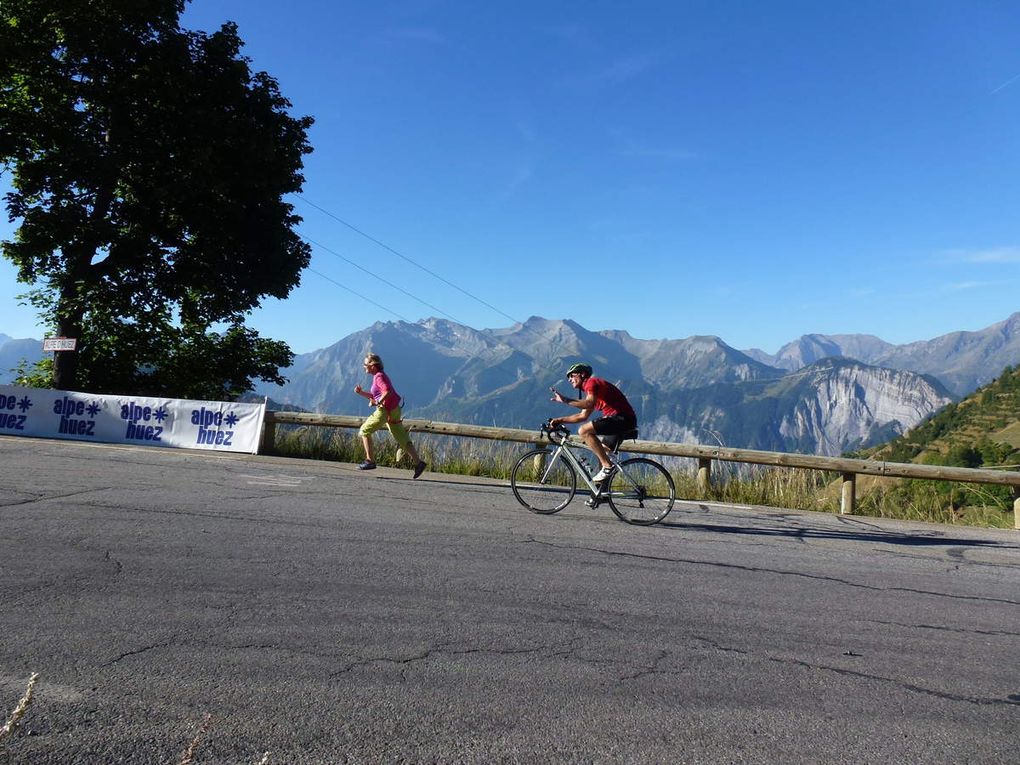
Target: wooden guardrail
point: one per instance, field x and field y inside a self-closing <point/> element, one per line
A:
<point x="848" y="468"/>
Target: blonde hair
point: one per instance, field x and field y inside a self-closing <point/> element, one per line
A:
<point x="373" y="358"/>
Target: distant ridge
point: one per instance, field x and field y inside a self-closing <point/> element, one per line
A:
<point x="820" y="393"/>
<point x="696" y="389"/>
<point x="962" y="361"/>
<point x="13" y="352"/>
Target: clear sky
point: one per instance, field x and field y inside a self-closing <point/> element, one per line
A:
<point x="752" y="170"/>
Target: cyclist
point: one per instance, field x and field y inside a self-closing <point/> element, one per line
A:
<point x="617" y="418"/>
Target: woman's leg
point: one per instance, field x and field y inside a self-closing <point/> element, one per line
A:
<point x="374" y="422"/>
<point x="401" y="436"/>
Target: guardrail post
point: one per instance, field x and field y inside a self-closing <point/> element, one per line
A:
<point x="540" y="464"/>
<point x="704" y="475"/>
<point x="849" y="494"/>
<point x="268" y="437"/>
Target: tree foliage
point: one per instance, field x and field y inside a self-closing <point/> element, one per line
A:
<point x="149" y="166"/>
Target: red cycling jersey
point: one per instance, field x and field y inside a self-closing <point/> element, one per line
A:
<point x="608" y="398"/>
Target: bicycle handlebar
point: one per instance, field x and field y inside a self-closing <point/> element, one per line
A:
<point x="549" y="430"/>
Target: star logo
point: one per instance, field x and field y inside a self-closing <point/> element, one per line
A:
<point x="160" y="414"/>
<point x="93" y="409"/>
<point x="25" y="404"/>
<point x="231" y="419"/>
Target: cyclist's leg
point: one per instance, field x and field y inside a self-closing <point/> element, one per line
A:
<point x="591" y="440"/>
<point x="604" y="426"/>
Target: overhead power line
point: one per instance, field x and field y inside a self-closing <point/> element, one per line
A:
<point x="414" y="263"/>
<point x="376" y="276"/>
<point x="539" y="336"/>
<point x="353" y="292"/>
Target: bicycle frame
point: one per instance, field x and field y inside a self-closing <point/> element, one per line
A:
<point x="567" y="449"/>
<point x="639" y="491"/>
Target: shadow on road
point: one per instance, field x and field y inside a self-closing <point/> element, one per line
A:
<point x="884" y="537"/>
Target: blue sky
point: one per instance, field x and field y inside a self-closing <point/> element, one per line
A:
<point x="751" y="170"/>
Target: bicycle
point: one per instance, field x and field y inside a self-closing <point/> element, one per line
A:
<point x="640" y="491"/>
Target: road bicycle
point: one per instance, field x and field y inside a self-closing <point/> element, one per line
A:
<point x="639" y="491"/>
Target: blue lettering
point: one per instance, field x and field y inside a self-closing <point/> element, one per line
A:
<point x="133" y="413"/>
<point x="205" y="418"/>
<point x="12" y="421"/>
<point x="67" y="406"/>
<point x="143" y="432"/>
<point x="76" y="427"/>
<point x="7" y="402"/>
<point x="214" y="437"/>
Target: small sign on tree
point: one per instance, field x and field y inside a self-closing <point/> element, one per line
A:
<point x="59" y="343"/>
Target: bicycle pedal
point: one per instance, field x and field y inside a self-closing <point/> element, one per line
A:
<point x="591" y="502"/>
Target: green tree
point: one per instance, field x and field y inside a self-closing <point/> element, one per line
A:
<point x="148" y="165"/>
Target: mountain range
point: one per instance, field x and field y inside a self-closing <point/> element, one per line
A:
<point x="13" y="352"/>
<point x="962" y="361"/>
<point x="822" y="394"/>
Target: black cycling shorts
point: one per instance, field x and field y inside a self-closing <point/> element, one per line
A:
<point x="614" y="426"/>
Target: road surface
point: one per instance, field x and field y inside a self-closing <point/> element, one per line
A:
<point x="331" y="616"/>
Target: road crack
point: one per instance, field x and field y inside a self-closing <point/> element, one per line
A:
<point x="777" y="572"/>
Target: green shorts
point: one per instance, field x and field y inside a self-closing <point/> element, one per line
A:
<point x="382" y="418"/>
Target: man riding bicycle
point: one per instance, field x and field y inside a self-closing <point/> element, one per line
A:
<point x="618" y="418"/>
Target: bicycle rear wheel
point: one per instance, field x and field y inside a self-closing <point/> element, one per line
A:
<point x="541" y="484"/>
<point x="641" y="492"/>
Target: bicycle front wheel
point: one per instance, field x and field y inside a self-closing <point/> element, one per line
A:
<point x="543" y="484"/>
<point x="641" y="492"/>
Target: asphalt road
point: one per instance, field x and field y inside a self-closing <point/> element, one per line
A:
<point x="331" y="616"/>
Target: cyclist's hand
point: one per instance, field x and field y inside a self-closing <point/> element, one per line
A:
<point x="358" y="389"/>
<point x="557" y="396"/>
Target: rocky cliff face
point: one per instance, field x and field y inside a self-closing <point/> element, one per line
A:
<point x="851" y="405"/>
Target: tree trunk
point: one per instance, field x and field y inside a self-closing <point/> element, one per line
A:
<point x="71" y="311"/>
<point x="65" y="363"/>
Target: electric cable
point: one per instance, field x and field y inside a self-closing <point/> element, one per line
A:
<point x="376" y="276"/>
<point x="353" y="292"/>
<point x="414" y="263"/>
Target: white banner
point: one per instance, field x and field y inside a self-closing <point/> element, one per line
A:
<point x="166" y="422"/>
